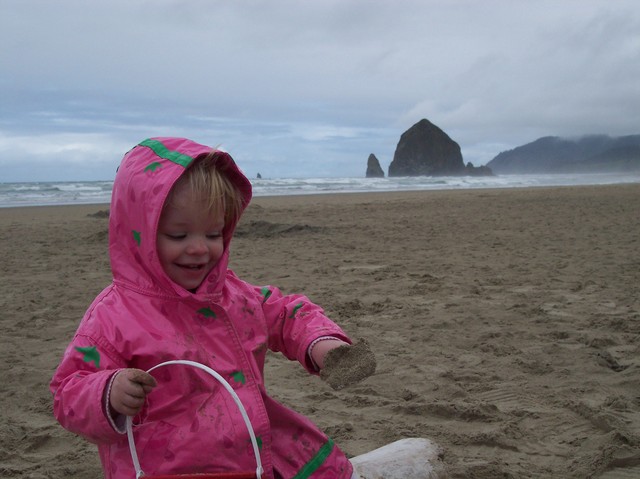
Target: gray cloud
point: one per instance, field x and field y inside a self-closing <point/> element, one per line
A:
<point x="296" y="88"/>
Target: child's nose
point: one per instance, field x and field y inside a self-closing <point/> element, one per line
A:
<point x="197" y="246"/>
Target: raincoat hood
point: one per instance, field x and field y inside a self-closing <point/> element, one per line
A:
<point x="141" y="187"/>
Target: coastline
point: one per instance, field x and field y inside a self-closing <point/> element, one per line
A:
<point x="330" y="196"/>
<point x="95" y="192"/>
<point x="506" y="322"/>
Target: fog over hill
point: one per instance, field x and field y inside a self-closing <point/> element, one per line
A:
<point x="588" y="154"/>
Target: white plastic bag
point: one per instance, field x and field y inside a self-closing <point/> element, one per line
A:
<point x="413" y="458"/>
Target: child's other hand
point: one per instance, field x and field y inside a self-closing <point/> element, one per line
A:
<point x="346" y="365"/>
<point x="129" y="389"/>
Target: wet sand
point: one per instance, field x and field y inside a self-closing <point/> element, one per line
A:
<point x="505" y="323"/>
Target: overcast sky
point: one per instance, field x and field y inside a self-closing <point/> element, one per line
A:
<point x="306" y="87"/>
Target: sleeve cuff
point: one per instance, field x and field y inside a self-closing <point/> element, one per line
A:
<point x="117" y="423"/>
<point x="311" y="346"/>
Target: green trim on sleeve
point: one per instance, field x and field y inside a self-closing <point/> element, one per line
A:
<point x="316" y="461"/>
<point x="90" y="353"/>
<point x="163" y="152"/>
<point x="295" y="310"/>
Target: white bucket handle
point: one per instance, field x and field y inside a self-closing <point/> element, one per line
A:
<point x="221" y="380"/>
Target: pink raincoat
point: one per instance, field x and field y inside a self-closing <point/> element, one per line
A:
<point x="189" y="422"/>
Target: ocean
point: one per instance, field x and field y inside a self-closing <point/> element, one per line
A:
<point x="99" y="192"/>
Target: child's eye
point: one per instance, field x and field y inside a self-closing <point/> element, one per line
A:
<point x="214" y="235"/>
<point x="176" y="236"/>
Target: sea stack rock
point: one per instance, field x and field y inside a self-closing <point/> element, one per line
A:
<point x="426" y="150"/>
<point x="481" y="170"/>
<point x="373" y="167"/>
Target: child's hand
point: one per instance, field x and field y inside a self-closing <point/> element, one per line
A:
<point x="129" y="389"/>
<point x="346" y="365"/>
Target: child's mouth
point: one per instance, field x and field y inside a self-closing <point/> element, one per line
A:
<point x="194" y="267"/>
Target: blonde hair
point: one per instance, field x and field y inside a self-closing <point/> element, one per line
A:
<point x="208" y="181"/>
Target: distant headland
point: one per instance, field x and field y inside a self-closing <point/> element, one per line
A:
<point x="588" y="154"/>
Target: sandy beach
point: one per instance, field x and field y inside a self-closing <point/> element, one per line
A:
<point x="506" y="323"/>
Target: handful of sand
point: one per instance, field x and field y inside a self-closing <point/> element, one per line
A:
<point x="348" y="365"/>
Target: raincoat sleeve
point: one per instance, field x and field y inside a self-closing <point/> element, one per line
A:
<point x="79" y="388"/>
<point x="294" y="323"/>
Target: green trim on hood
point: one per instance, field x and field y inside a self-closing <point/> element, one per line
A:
<point x="163" y="152"/>
<point x="316" y="461"/>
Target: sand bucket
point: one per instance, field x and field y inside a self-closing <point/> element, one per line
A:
<point x="257" y="474"/>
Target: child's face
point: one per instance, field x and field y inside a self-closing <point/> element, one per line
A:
<point x="189" y="239"/>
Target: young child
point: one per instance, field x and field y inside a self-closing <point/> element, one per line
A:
<point x="174" y="209"/>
